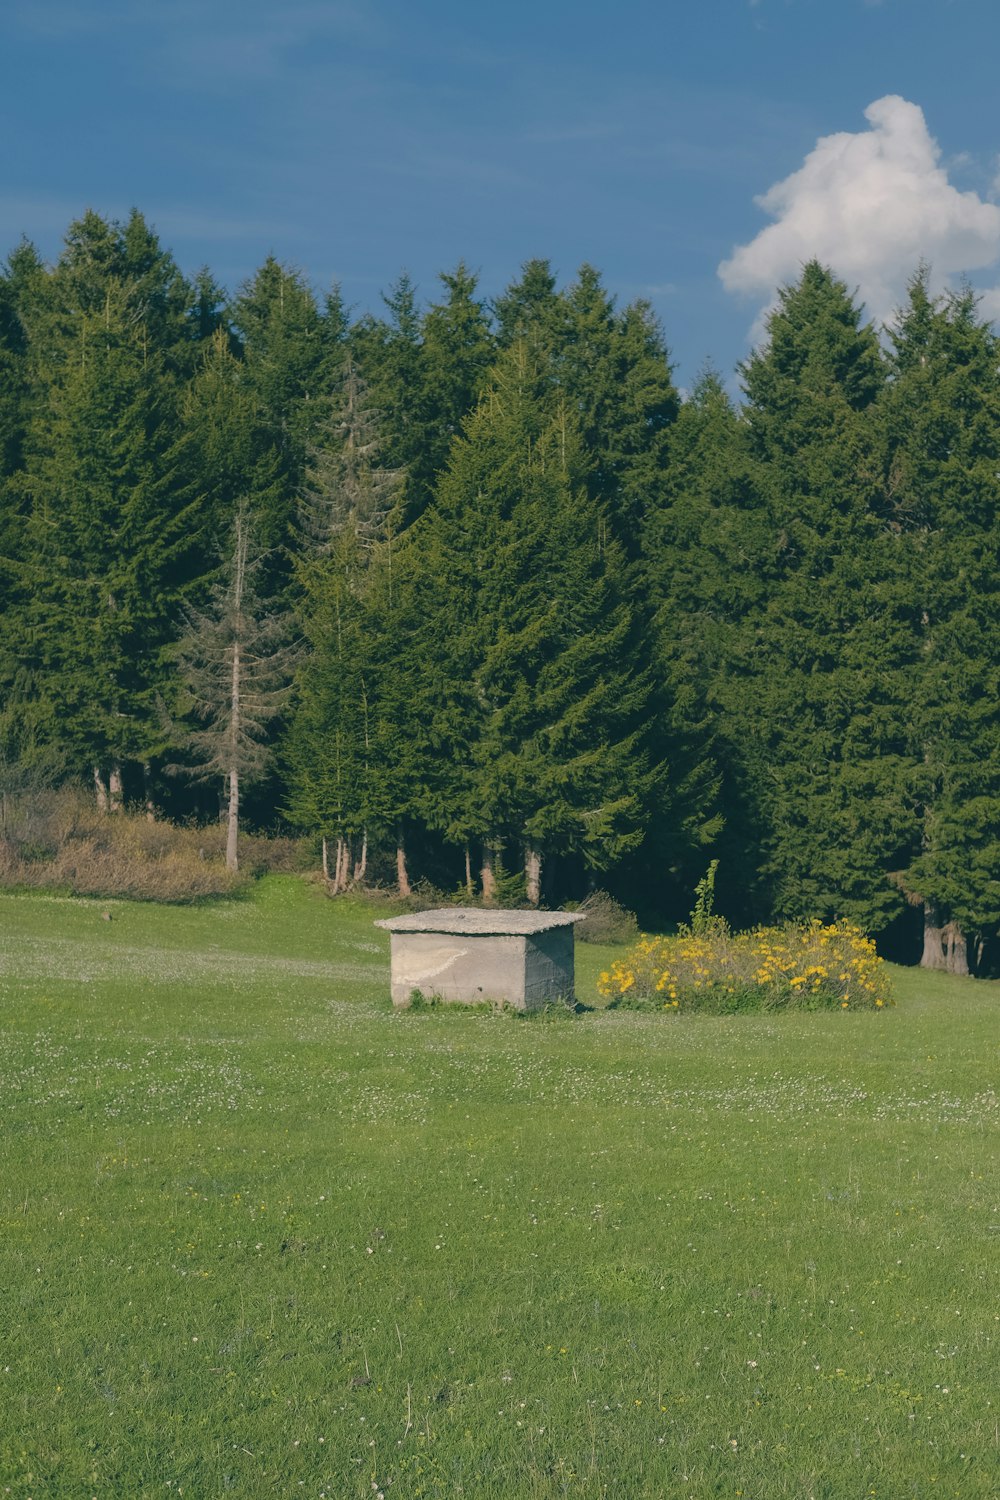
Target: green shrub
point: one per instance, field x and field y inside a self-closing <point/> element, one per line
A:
<point x="605" y="920"/>
<point x="61" y="841"/>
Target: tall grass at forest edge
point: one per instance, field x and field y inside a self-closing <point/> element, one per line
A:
<point x="261" y="1235"/>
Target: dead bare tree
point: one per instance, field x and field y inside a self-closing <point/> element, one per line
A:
<point x="236" y="660"/>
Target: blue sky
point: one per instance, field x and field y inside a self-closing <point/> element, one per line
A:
<point x="356" y="139"/>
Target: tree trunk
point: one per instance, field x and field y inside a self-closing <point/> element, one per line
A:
<point x="233" y="819"/>
<point x="488" y="876"/>
<point x="933" y="954"/>
<point x="956" y="949"/>
<point x="325" y="861"/>
<point x="147" y="792"/>
<point x="233" y="824"/>
<point x="115" y="789"/>
<point x="945" y="947"/>
<point x="533" y="874"/>
<point x="340" y="869"/>
<point x="468" y="872"/>
<point x="100" y="790"/>
<point x="402" y="877"/>
<point x="361" y="863"/>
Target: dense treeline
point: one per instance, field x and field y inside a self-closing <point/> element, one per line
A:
<point x="468" y="593"/>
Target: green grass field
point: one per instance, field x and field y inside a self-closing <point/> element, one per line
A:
<point x="262" y="1236"/>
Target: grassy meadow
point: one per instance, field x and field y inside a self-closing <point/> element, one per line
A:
<point x="262" y="1236"/>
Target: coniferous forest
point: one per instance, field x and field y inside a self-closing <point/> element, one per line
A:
<point x="468" y="593"/>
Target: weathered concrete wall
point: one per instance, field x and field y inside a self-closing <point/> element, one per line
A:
<point x="468" y="954"/>
<point x="548" y="967"/>
<point x="468" y="969"/>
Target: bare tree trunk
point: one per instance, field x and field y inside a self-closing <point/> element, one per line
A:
<point x="468" y="871"/>
<point x="402" y="876"/>
<point x="325" y="861"/>
<point x="533" y="874"/>
<point x="956" y="949"/>
<point x="933" y="954"/>
<point x="945" y="946"/>
<point x="147" y="792"/>
<point x="233" y="820"/>
<point x="488" y="877"/>
<point x="115" y="789"/>
<point x="100" y="790"/>
<point x="361" y="863"/>
<point x="233" y="824"/>
<point x="340" y="867"/>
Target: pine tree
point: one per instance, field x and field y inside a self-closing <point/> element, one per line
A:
<point x="457" y="352"/>
<point x="520" y="585"/>
<point x="232" y="457"/>
<point x="108" y="528"/>
<point x="425" y="373"/>
<point x="822" y="711"/>
<point x="942" y="417"/>
<point x="615" y="370"/>
<point x="390" y="358"/>
<point x="531" y="310"/>
<point x="292" y="351"/>
<point x="21" y="285"/>
<point x="697" y="575"/>
<point x="335" y="758"/>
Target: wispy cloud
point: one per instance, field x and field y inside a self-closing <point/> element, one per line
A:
<point x="584" y="131"/>
<point x="228" y="39"/>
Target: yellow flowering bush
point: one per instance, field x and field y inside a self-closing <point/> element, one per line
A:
<point x="819" y="967"/>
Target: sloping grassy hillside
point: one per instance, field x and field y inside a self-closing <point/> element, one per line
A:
<point x="262" y="1236"/>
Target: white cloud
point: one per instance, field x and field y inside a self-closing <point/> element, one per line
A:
<point x="871" y="205"/>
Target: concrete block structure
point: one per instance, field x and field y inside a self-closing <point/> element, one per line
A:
<point x="471" y="955"/>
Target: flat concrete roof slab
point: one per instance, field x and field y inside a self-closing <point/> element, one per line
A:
<point x="474" y="921"/>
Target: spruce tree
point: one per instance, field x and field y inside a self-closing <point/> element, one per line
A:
<point x="698" y="577"/>
<point x="615" y="370"/>
<point x="21" y="286"/>
<point x="390" y="358"/>
<point x="524" y="616"/>
<point x="230" y="450"/>
<point x="342" y="783"/>
<point x="292" y="350"/>
<point x="822" y="710"/>
<point x="531" y="309"/>
<point x="942" y="418"/>
<point x="458" y="350"/>
<point x="110" y="519"/>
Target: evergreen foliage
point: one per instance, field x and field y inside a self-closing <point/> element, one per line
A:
<point x="553" y="617"/>
<point x="108" y="508"/>
<point x="943" y="427"/>
<point x="523" y="590"/>
<point x="339" y="767"/>
<point x="822" y="703"/>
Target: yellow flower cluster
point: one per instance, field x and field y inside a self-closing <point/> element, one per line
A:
<point x="808" y="968"/>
